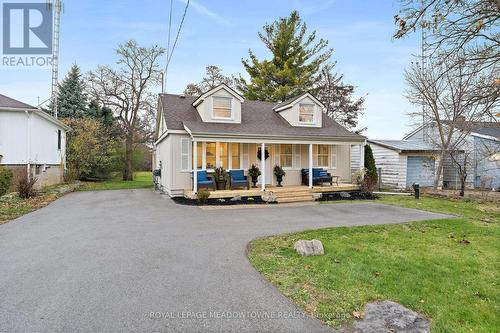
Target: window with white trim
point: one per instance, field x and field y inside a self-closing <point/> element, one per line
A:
<point x="286" y="156"/>
<point x="222" y="107"/>
<point x="321" y="156"/>
<point x="306" y="113"/>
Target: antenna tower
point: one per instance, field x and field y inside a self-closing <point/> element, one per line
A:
<point x="57" y="6"/>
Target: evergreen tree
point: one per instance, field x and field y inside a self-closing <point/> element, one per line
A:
<point x="72" y="100"/>
<point x="103" y="114"/>
<point x="295" y="64"/>
<point x="371" y="168"/>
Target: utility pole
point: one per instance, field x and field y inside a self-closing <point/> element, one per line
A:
<point x="57" y="6"/>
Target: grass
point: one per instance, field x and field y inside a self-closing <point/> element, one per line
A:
<point x="12" y="207"/>
<point x="142" y="179"/>
<point x="448" y="269"/>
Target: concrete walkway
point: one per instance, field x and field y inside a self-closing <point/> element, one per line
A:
<point x="135" y="261"/>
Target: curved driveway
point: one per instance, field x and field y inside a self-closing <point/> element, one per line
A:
<point x="104" y="261"/>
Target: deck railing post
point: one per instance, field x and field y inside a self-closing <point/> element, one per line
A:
<point x="310" y="165"/>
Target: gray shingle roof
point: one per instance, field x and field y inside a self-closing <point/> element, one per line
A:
<point x="257" y="118"/>
<point x="490" y="131"/>
<point x="7" y="103"/>
<point x="405" y="145"/>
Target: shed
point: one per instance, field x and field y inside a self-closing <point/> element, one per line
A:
<point x="402" y="163"/>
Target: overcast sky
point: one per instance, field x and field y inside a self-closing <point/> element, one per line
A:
<point x="220" y="32"/>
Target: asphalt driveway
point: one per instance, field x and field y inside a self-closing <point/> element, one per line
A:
<point x="133" y="260"/>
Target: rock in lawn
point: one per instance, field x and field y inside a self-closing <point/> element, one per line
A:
<point x="309" y="247"/>
<point x="390" y="317"/>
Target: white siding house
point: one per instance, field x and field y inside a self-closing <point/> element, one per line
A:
<point x="402" y="163"/>
<point x="31" y="141"/>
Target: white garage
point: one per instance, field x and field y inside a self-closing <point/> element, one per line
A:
<point x="402" y="163"/>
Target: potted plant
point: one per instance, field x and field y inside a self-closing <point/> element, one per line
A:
<point x="279" y="173"/>
<point x="220" y="175"/>
<point x="254" y="173"/>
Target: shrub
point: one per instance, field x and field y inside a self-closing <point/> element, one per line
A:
<point x="203" y="195"/>
<point x="26" y="186"/>
<point x="5" y="180"/>
<point x="371" y="168"/>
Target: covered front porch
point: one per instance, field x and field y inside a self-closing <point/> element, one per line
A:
<point x="339" y="159"/>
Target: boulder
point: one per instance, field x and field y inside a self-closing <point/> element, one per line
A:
<point x="236" y="198"/>
<point x="269" y="197"/>
<point x="390" y="317"/>
<point x="309" y="247"/>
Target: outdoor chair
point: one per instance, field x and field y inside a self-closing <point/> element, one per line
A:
<point x="320" y="176"/>
<point x="238" y="179"/>
<point x="205" y="180"/>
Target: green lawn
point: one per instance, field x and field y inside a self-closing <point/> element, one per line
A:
<point x="448" y="269"/>
<point x="142" y="179"/>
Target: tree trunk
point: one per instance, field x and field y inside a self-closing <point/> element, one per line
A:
<point x="128" y="172"/>
<point x="462" y="187"/>
<point x="439" y="172"/>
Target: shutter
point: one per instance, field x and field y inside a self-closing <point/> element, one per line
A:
<point x="297" y="157"/>
<point x="244" y="156"/>
<point x="184" y="154"/>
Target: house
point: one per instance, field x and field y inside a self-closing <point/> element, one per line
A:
<point x="31" y="141"/>
<point x="479" y="142"/>
<point x="401" y="163"/>
<point x="220" y="128"/>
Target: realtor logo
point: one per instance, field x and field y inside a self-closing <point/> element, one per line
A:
<point x="26" y="28"/>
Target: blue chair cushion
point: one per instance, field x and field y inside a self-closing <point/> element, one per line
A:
<point x="323" y="173"/>
<point x="204" y="182"/>
<point x="238" y="175"/>
<point x="316" y="173"/>
<point x="202" y="176"/>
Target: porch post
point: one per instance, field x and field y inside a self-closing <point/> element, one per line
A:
<point x="310" y="165"/>
<point x="362" y="156"/>
<point x="263" y="165"/>
<point x="195" y="166"/>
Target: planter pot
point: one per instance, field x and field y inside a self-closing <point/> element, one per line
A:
<point x="279" y="179"/>
<point x="221" y="184"/>
<point x="254" y="181"/>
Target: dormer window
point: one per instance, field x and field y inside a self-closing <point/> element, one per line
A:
<point x="222" y="107"/>
<point x="306" y="113"/>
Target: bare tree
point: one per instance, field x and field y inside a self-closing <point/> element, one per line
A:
<point x="127" y="91"/>
<point x="454" y="26"/>
<point x="213" y="77"/>
<point x="338" y="98"/>
<point x="451" y="93"/>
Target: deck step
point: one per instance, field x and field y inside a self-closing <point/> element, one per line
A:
<point x="292" y="194"/>
<point x="304" y="198"/>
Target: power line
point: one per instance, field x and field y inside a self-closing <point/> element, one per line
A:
<point x="169" y="55"/>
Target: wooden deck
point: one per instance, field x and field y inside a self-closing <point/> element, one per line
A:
<point x="279" y="191"/>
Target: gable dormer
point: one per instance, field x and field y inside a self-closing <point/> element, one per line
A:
<point x="219" y="105"/>
<point x="302" y="111"/>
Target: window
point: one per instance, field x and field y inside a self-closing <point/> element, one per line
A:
<point x="306" y="113"/>
<point x="210" y="155"/>
<point x="321" y="156"/>
<point x="235" y="155"/>
<point x="59" y="139"/>
<point x="223" y="155"/>
<point x="286" y="156"/>
<point x="199" y="149"/>
<point x="38" y="169"/>
<point x="222" y="107"/>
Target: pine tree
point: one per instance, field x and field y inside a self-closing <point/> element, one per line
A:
<point x="103" y="114"/>
<point x="371" y="168"/>
<point x="295" y="64"/>
<point x="72" y="100"/>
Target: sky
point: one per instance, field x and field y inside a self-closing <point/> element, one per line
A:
<point x="220" y="32"/>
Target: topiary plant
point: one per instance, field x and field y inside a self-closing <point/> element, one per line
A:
<point x="5" y="180"/>
<point x="371" y="175"/>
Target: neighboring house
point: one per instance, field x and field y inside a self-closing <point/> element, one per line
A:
<point x="402" y="163"/>
<point x="481" y="144"/>
<point x="31" y="141"/>
<point x="220" y="128"/>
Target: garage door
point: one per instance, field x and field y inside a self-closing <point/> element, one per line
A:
<point x="420" y="170"/>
